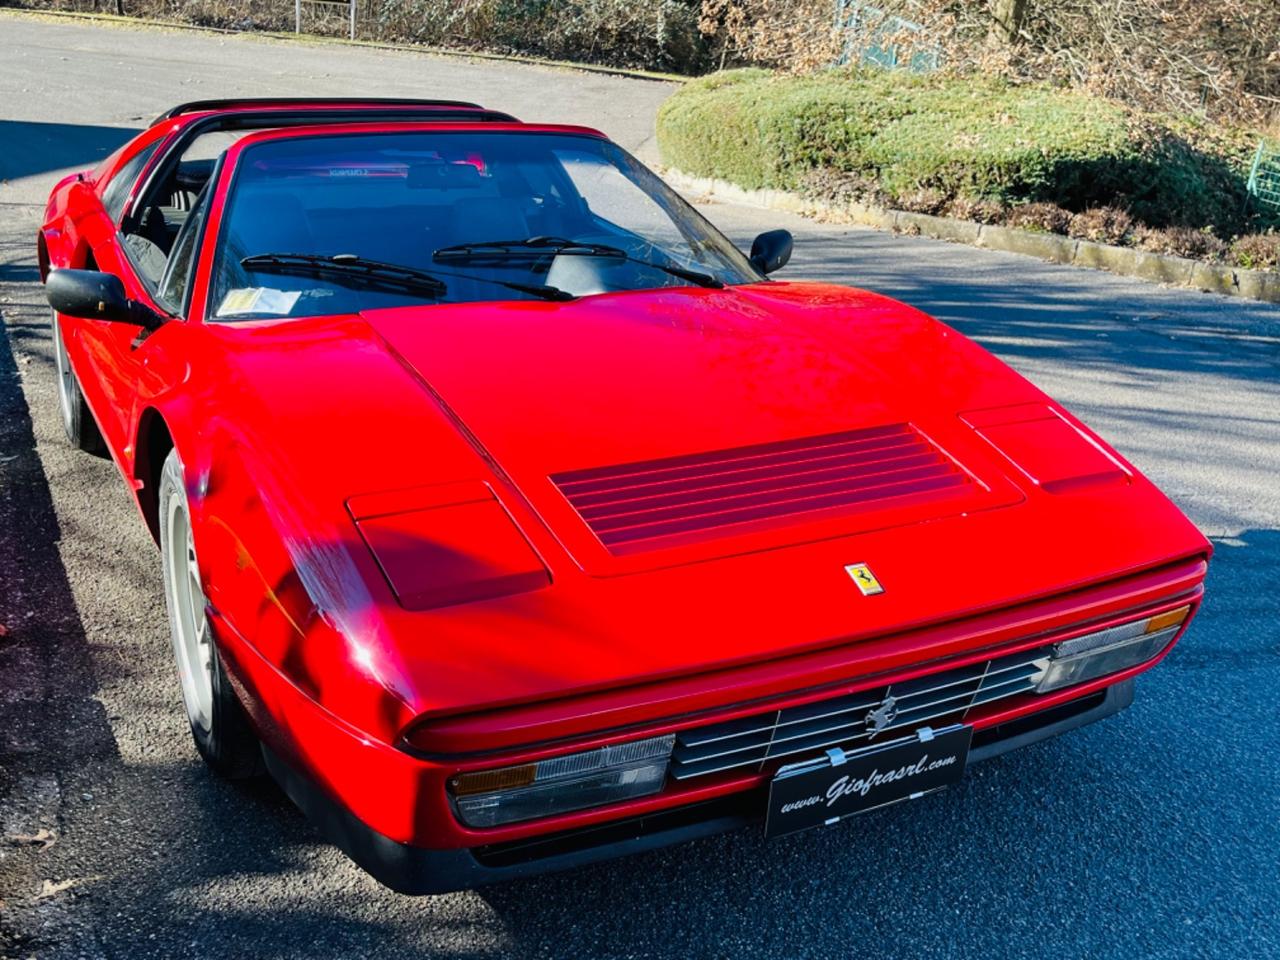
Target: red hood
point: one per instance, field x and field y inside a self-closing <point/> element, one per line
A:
<point x="545" y="389"/>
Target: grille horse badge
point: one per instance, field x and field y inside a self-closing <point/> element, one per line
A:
<point x="882" y="716"/>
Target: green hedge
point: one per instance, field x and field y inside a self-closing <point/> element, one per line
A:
<point x="964" y="137"/>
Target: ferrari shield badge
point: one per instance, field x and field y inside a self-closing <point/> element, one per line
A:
<point x="864" y="578"/>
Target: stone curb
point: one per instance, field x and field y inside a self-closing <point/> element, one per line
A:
<point x="1177" y="271"/>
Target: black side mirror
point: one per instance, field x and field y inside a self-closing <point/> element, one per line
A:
<point x="96" y="296"/>
<point x="770" y="251"/>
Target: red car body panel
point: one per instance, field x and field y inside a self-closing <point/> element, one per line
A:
<point x="296" y="436"/>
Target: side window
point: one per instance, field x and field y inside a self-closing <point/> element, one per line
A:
<point x="117" y="191"/>
<point x="177" y="275"/>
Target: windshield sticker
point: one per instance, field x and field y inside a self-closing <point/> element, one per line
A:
<point x="250" y="300"/>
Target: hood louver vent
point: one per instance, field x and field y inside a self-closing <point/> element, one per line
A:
<point x="646" y="505"/>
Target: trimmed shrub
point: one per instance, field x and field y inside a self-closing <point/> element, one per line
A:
<point x="924" y="200"/>
<point x="835" y="187"/>
<point x="1101" y="225"/>
<point x="979" y="211"/>
<point x="1180" y="242"/>
<point x="1040" y="217"/>
<point x="1257" y="251"/>
<point x="972" y="138"/>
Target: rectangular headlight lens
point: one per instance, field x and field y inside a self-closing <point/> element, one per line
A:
<point x="575" y="781"/>
<point x="1107" y="651"/>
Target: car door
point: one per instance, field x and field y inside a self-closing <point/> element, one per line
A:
<point x="108" y="355"/>
<point x="160" y="360"/>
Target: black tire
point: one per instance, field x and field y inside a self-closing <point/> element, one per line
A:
<point x="219" y="724"/>
<point x="77" y="419"/>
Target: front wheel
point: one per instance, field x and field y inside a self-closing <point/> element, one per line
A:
<point x="77" y="420"/>
<point x="219" y="724"/>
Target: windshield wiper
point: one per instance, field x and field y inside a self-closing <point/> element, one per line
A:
<point x="534" y="248"/>
<point x="693" y="276"/>
<point x="530" y="247"/>
<point x="347" y="267"/>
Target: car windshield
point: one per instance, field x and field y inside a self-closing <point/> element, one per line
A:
<point x="336" y="224"/>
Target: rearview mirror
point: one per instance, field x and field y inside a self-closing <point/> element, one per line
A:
<point x="95" y="295"/>
<point x="770" y="251"/>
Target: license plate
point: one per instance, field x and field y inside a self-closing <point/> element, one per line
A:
<point x="840" y="784"/>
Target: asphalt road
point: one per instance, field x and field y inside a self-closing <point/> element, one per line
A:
<point x="1152" y="835"/>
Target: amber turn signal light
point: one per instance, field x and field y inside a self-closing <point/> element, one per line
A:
<point x="1171" y="618"/>
<point x="483" y="781"/>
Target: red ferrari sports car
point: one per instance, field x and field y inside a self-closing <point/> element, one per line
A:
<point x="515" y="520"/>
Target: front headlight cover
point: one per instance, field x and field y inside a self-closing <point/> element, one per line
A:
<point x="1107" y="651"/>
<point x="576" y="781"/>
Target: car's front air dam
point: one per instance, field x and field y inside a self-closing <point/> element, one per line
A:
<point x="418" y="870"/>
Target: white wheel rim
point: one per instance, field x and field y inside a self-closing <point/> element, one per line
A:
<point x="65" y="383"/>
<point x="192" y="642"/>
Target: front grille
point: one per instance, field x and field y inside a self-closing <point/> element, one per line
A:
<point x="752" y="743"/>
<point x="706" y="492"/>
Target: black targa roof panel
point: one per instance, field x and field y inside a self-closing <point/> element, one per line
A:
<point x="250" y="103"/>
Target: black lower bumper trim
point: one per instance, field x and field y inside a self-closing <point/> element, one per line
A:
<point x="722" y="813"/>
<point x="417" y="870"/>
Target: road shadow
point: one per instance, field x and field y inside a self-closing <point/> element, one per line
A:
<point x="50" y="720"/>
<point x="19" y="273"/>
<point x="32" y="148"/>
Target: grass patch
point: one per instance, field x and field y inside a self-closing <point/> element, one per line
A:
<point x="959" y="141"/>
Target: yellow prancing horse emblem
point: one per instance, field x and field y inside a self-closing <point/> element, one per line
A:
<point x="864" y="578"/>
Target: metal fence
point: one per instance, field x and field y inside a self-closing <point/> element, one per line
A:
<point x="1264" y="177"/>
<point x="326" y="9"/>
<point x="875" y="37"/>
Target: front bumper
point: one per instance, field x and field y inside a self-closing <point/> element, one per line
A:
<point x="388" y="805"/>
<point x="416" y="870"/>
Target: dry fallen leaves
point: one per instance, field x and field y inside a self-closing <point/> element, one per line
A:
<point x="43" y="838"/>
<point x="51" y="888"/>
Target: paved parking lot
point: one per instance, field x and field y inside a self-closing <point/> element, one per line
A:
<point x="1155" y="834"/>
